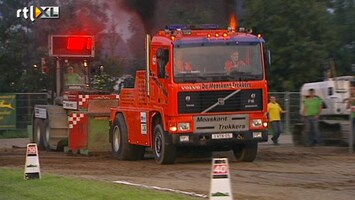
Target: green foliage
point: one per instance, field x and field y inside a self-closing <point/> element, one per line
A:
<point x="299" y="36"/>
<point x="15" y="35"/>
<point x="344" y="22"/>
<point x="13" y="186"/>
<point x="103" y="82"/>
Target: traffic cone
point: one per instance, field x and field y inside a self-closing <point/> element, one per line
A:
<point x="220" y="181"/>
<point x="32" y="169"/>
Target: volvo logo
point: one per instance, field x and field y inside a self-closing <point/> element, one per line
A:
<point x="221" y="101"/>
<point x="187" y="98"/>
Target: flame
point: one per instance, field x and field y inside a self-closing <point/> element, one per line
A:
<point x="233" y="22"/>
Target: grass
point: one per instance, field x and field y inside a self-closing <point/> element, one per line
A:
<point x="13" y="186"/>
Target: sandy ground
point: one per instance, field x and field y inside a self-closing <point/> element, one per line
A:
<point x="279" y="172"/>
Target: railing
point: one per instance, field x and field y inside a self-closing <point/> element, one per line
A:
<point x="24" y="103"/>
<point x="290" y="102"/>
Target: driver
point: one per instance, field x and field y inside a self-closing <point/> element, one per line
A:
<point x="72" y="78"/>
<point x="234" y="63"/>
<point x="181" y="65"/>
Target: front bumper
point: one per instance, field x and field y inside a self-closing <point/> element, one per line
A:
<point x="205" y="139"/>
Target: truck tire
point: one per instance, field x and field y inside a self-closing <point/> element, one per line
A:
<point x="299" y="135"/>
<point x="121" y="149"/>
<point x="331" y="134"/>
<point x="46" y="135"/>
<point x="37" y="133"/>
<point x="163" y="149"/>
<point x="245" y="152"/>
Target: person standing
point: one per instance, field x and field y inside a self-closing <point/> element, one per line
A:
<point x="312" y="107"/>
<point x="275" y="110"/>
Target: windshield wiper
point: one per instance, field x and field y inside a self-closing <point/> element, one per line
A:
<point x="191" y="77"/>
<point x="243" y="76"/>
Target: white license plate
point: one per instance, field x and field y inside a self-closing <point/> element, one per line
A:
<point x="222" y="136"/>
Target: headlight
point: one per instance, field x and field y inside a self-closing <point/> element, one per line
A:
<point x="172" y="128"/>
<point x="183" y="126"/>
<point x="257" y="123"/>
<point x="265" y="124"/>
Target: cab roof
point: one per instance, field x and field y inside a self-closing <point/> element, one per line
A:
<point x="182" y="34"/>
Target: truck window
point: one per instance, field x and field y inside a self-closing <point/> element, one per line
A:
<point x="163" y="59"/>
<point x="330" y="91"/>
<point x="218" y="62"/>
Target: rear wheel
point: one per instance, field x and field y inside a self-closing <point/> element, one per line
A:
<point x="38" y="132"/>
<point x="46" y="135"/>
<point x="121" y="149"/>
<point x="245" y="152"/>
<point x="164" y="150"/>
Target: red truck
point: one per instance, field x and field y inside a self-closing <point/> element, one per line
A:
<point x="203" y="106"/>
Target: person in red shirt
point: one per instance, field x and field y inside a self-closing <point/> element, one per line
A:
<point x="181" y="65"/>
<point x="234" y="63"/>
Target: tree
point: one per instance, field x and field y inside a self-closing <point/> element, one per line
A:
<point x="344" y="23"/>
<point x="17" y="51"/>
<point x="299" y="36"/>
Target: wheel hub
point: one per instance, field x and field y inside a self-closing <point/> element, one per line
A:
<point x="158" y="145"/>
<point x="116" y="139"/>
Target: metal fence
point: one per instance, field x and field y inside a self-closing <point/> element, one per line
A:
<point x="24" y="107"/>
<point x="290" y="102"/>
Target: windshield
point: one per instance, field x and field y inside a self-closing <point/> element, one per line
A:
<point x="220" y="62"/>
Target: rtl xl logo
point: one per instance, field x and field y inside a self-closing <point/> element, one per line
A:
<point x="43" y="12"/>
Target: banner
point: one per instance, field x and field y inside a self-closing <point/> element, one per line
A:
<point x="7" y="111"/>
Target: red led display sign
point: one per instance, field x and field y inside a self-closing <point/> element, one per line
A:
<point x="71" y="46"/>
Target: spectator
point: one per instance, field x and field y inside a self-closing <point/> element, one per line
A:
<point x="312" y="107"/>
<point x="275" y="110"/>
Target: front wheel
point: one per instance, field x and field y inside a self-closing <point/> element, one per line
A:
<point x="164" y="150"/>
<point x="245" y="152"/>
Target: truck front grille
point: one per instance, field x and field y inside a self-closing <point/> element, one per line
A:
<point x="220" y="101"/>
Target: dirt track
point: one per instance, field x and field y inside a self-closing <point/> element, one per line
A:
<point x="279" y="172"/>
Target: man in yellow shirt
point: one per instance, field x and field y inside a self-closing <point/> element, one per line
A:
<point x="274" y="110"/>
